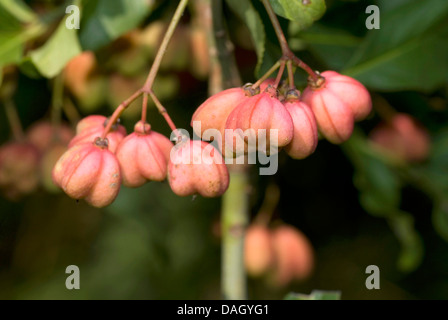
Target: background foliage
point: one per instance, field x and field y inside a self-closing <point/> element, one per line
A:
<point x="356" y="206"/>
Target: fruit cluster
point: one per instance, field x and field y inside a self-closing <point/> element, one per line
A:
<point x="331" y="104"/>
<point x="284" y="254"/>
<point x="27" y="162"/>
<point x="94" y="167"/>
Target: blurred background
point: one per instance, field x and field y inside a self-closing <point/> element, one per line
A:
<point x="380" y="198"/>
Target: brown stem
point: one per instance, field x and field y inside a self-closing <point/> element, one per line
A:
<point x="226" y="59"/>
<point x="266" y="75"/>
<point x="144" y="106"/>
<point x="286" y="51"/>
<point x="279" y="74"/>
<point x="290" y="75"/>
<point x="163" y="111"/>
<point x="56" y="103"/>
<point x="14" y="120"/>
<point x="70" y="111"/>
<point x="162" y="49"/>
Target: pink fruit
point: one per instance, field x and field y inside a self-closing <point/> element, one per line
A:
<point x="337" y="101"/>
<point x="293" y="253"/>
<point x="305" y="139"/>
<point x="43" y="134"/>
<point x="91" y="127"/>
<point x="403" y="137"/>
<point x="260" y="115"/>
<point x="351" y="91"/>
<point x="143" y="156"/>
<point x="89" y="171"/>
<point x="213" y="112"/>
<point x="197" y="167"/>
<point x="258" y="252"/>
<point x="19" y="172"/>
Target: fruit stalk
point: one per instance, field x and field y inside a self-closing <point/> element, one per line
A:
<point x="234" y="221"/>
<point x="147" y="87"/>
<point x="286" y="51"/>
<point x="57" y="100"/>
<point x="14" y="120"/>
<point x="234" y="210"/>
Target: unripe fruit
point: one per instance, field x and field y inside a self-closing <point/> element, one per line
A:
<point x="18" y="168"/>
<point x="91" y="127"/>
<point x="305" y="139"/>
<point x="403" y="137"/>
<point x="293" y="253"/>
<point x="213" y="112"/>
<point x="89" y="171"/>
<point x="260" y="114"/>
<point x="197" y="167"/>
<point x="143" y="156"/>
<point x="43" y="135"/>
<point x="258" y="252"/>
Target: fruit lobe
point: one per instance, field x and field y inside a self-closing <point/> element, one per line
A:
<point x="89" y="171"/>
<point x="294" y="254"/>
<point x="143" y="156"/>
<point x="258" y="252"/>
<point x="305" y="139"/>
<point x="196" y="166"/>
<point x="260" y="114"/>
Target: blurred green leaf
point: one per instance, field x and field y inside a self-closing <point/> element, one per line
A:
<point x="304" y="12"/>
<point x="440" y="218"/>
<point x="18" y="9"/>
<point x="52" y="57"/>
<point x="334" y="46"/>
<point x="103" y="22"/>
<point x="411" y="254"/>
<point x="379" y="185"/>
<point x="411" y="40"/>
<point x="315" y="295"/>
<point x="250" y="16"/>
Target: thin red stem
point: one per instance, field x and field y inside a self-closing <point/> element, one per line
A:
<point x="117" y="113"/>
<point x="266" y="75"/>
<point x="280" y="74"/>
<point x="144" y="107"/>
<point x="290" y="75"/>
<point x="286" y="51"/>
<point x="163" y="111"/>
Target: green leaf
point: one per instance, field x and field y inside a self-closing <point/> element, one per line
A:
<point x="315" y="295"/>
<point x="411" y="254"/>
<point x="250" y="16"/>
<point x="440" y="218"/>
<point x="103" y="22"/>
<point x="304" y="12"/>
<point x="19" y="10"/>
<point x="52" y="57"/>
<point x="11" y="47"/>
<point x="333" y="46"/>
<point x="410" y="41"/>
